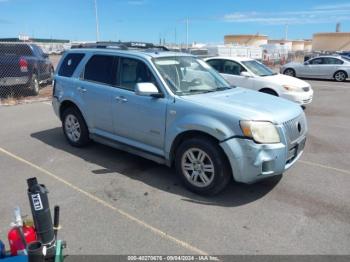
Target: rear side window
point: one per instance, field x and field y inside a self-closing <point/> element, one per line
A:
<point x="332" y="61"/>
<point x="14" y="49"/>
<point x="100" y="69"/>
<point x="69" y="64"/>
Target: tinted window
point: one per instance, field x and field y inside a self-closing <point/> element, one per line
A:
<point x="332" y="61"/>
<point x="69" y="64"/>
<point x="14" y="49"/>
<point x="316" y="61"/>
<point x="100" y="69"/>
<point x="133" y="71"/>
<point x="216" y="64"/>
<point x="232" y="68"/>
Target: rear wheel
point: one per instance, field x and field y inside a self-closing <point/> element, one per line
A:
<point x="289" y="72"/>
<point x="340" y="76"/>
<point x="202" y="166"/>
<point x="74" y="127"/>
<point x="34" y="85"/>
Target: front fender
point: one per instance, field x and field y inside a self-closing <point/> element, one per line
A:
<point x="197" y="122"/>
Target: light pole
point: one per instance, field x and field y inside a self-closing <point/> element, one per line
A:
<point x="187" y="33"/>
<point x="97" y="23"/>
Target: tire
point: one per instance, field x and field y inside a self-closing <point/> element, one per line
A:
<point x="289" y="72"/>
<point x="75" y="128"/>
<point x="49" y="81"/>
<point x="34" y="85"/>
<point x="194" y="156"/>
<point x="340" y="76"/>
<point x="268" y="91"/>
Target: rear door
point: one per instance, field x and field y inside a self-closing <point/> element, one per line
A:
<point x="94" y="89"/>
<point x="138" y="120"/>
<point x="331" y="65"/>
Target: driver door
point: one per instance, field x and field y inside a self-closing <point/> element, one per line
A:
<point x="139" y="121"/>
<point x="313" y="68"/>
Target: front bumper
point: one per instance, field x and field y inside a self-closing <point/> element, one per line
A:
<point x="251" y="162"/>
<point x="302" y="98"/>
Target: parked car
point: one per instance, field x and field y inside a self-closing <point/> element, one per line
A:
<point x="249" y="73"/>
<point x="323" y="67"/>
<point x="24" y="65"/>
<point x="174" y="109"/>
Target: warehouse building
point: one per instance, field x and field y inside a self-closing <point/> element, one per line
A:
<point x="336" y="41"/>
<point x="246" y="40"/>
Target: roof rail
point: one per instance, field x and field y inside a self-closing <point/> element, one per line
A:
<point x="122" y="46"/>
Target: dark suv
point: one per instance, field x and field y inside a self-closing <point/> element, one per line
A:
<point x="23" y="65"/>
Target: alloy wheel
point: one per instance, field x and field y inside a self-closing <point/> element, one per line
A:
<point x="198" y="167"/>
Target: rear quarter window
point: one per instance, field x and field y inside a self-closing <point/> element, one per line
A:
<point x="69" y="64"/>
<point x="100" y="69"/>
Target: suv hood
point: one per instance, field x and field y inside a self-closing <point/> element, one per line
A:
<point x="248" y="105"/>
<point x="280" y="79"/>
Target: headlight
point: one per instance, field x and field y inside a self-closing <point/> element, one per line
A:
<point x="261" y="131"/>
<point x="292" y="88"/>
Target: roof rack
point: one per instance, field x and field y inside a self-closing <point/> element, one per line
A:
<point x="122" y="46"/>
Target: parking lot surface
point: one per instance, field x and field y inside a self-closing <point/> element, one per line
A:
<point x="116" y="203"/>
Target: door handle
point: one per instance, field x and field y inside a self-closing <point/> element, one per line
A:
<point x="81" y="90"/>
<point x="121" y="99"/>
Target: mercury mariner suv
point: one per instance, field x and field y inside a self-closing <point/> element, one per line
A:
<point x="175" y="109"/>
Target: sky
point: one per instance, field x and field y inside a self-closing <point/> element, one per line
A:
<point x="150" y="20"/>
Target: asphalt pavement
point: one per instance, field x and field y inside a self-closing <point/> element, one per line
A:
<point x="116" y="203"/>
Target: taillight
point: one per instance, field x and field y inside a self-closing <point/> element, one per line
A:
<point x="23" y="64"/>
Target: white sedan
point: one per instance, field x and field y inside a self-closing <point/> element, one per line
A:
<point x="249" y="73"/>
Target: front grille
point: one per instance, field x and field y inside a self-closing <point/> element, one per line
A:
<point x="295" y="128"/>
<point x="306" y="89"/>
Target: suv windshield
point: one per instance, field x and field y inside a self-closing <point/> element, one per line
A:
<point x="258" y="68"/>
<point x="189" y="75"/>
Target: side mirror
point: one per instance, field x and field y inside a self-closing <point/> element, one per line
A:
<point x="306" y="63"/>
<point x="147" y="89"/>
<point x="246" y="74"/>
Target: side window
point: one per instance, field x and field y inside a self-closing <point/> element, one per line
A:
<point x="69" y="64"/>
<point x="332" y="61"/>
<point x="216" y="64"/>
<point x="232" y="68"/>
<point x="100" y="69"/>
<point x="316" y="61"/>
<point x="133" y="71"/>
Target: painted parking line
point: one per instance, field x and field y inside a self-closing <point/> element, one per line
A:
<point x="325" y="167"/>
<point x="128" y="216"/>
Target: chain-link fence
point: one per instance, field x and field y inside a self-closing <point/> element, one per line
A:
<point x="25" y="72"/>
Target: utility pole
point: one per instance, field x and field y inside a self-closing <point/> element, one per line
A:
<point x="175" y="37"/>
<point x="187" y="22"/>
<point x="286" y="32"/>
<point x="97" y="23"/>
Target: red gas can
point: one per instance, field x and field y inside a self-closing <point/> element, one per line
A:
<point x="16" y="245"/>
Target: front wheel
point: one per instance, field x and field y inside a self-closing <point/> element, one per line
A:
<point x="202" y="166"/>
<point x="289" y="72"/>
<point x="74" y="127"/>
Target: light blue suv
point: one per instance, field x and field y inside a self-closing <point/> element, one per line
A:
<point x="175" y="109"/>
